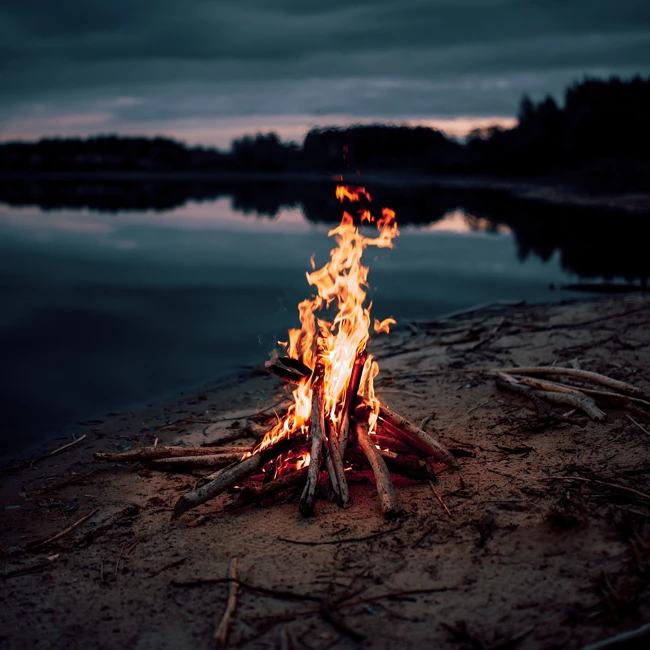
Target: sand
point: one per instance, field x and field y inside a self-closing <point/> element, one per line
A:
<point x="528" y="559"/>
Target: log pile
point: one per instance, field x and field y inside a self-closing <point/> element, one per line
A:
<point x="393" y="445"/>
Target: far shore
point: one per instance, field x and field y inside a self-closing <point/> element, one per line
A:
<point x="544" y="191"/>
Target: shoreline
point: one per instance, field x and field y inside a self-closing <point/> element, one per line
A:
<point x="541" y="191"/>
<point x="534" y="525"/>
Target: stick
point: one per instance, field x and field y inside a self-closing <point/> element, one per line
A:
<point x="637" y="424"/>
<point x="211" y="460"/>
<point x="545" y="384"/>
<point x="402" y="428"/>
<point x="60" y="449"/>
<point x="620" y="640"/>
<point x="225" y="480"/>
<point x="160" y="451"/>
<point x="621" y="488"/>
<point x="254" y="495"/>
<point x="65" y="532"/>
<point x="505" y="382"/>
<point x="580" y="374"/>
<point x="385" y="441"/>
<point x="317" y="431"/>
<point x="221" y="633"/>
<point x="585" y="404"/>
<point x="439" y="499"/>
<point x="387" y="497"/>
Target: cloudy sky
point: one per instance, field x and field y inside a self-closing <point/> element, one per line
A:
<point x="208" y="70"/>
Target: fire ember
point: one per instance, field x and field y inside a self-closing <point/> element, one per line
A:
<point x="335" y="419"/>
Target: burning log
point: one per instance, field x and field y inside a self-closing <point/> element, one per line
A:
<point x="230" y="476"/>
<point x="351" y="399"/>
<point x="254" y="495"/>
<point x="317" y="433"/>
<point x="409" y="467"/>
<point x="387" y="497"/>
<point x="404" y="430"/>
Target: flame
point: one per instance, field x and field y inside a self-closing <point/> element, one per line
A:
<point x="334" y="342"/>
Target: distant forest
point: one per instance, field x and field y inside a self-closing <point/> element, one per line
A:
<point x="598" y="139"/>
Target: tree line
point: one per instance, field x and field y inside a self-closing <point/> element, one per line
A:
<point x="598" y="135"/>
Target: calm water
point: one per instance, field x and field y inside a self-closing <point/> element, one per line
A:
<point x="100" y="312"/>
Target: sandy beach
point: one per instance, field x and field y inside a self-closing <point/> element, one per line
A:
<point x="545" y="543"/>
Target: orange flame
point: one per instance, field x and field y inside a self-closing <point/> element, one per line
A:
<point x="341" y="284"/>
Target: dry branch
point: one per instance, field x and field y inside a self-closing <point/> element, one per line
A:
<point x="317" y="433"/>
<point x="191" y="462"/>
<point x="65" y="532"/>
<point x="585" y="404"/>
<point x="159" y="451"/>
<point x="221" y="633"/>
<point x="387" y="497"/>
<point x="586" y="375"/>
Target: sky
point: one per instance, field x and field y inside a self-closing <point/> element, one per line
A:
<point x="206" y="71"/>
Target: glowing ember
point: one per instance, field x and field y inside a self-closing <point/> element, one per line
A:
<point x="334" y="343"/>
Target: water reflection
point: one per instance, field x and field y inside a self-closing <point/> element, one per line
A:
<point x="104" y="310"/>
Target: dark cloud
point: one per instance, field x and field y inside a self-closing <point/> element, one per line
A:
<point x="399" y="57"/>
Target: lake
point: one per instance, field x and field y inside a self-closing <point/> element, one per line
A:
<point x="101" y="311"/>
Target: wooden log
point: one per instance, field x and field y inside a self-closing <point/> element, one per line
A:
<point x="401" y="428"/>
<point x="225" y="480"/>
<point x="387" y="497"/>
<point x="153" y="453"/>
<point x="285" y="374"/>
<point x="296" y="364"/>
<point x="250" y="495"/>
<point x="232" y="475"/>
<point x="341" y="490"/>
<point x="410" y="467"/>
<point x="386" y="441"/>
<point x="317" y="432"/>
<point x="191" y="462"/>
<point x="351" y="399"/>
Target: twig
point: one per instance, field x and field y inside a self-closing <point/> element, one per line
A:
<point x="425" y="420"/>
<point x="477" y="406"/>
<point x="244" y="416"/>
<point x="221" y="633"/>
<point x="60" y="449"/>
<point x="275" y="593"/>
<point x="337" y="622"/>
<point x="621" y="488"/>
<point x="190" y="462"/>
<point x="629" y="417"/>
<point x="347" y="540"/>
<point x="394" y="595"/>
<point x="429" y="531"/>
<point x="65" y="532"/>
<point x="439" y="499"/>
<point x="620" y="640"/>
<point x="169" y="565"/>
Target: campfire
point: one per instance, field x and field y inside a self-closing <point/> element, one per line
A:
<point x="335" y="420"/>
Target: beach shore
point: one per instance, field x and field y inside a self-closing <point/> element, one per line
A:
<point x="546" y="543"/>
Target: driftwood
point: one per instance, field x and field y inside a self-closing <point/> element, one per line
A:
<point x="317" y="433"/>
<point x="387" y="497"/>
<point x="586" y="375"/>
